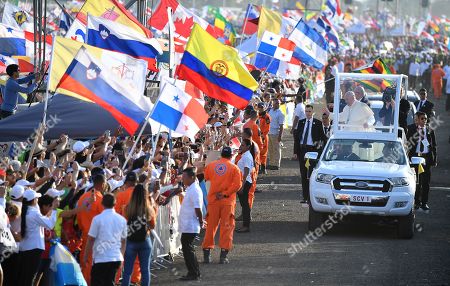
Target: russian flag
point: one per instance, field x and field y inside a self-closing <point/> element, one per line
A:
<point x="311" y="45"/>
<point x="88" y="78"/>
<point x="116" y="37"/>
<point x="12" y="41"/>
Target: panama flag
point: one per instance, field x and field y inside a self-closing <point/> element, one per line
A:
<point x="179" y="111"/>
<point x="24" y="63"/>
<point x="311" y="45"/>
<point x="12" y="41"/>
<point x="276" y="46"/>
<point x="88" y="78"/>
<point x="109" y="35"/>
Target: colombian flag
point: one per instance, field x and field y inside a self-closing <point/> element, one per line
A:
<point x="376" y="67"/>
<point x="216" y="69"/>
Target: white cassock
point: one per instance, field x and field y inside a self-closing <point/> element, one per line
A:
<point x="357" y="115"/>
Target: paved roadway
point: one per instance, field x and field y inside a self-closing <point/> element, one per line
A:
<point x="355" y="252"/>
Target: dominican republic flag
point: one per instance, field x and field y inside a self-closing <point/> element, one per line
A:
<point x="179" y="111"/>
<point x="88" y="78"/>
<point x="183" y="20"/>
<point x="276" y="46"/>
<point x="116" y="37"/>
<point x="282" y="69"/>
<point x="311" y="45"/>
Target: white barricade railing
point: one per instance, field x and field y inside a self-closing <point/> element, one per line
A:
<point x="166" y="230"/>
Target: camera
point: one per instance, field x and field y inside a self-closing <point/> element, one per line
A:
<point x="388" y="94"/>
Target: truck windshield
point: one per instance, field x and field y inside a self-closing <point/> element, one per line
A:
<point x="365" y="151"/>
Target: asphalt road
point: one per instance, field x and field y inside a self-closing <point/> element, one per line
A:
<point x="355" y="252"/>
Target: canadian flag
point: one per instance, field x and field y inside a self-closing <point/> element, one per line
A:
<point x="183" y="20"/>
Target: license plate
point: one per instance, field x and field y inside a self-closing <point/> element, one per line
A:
<point x="360" y="199"/>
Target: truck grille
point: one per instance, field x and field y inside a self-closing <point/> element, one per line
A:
<point x="361" y="184"/>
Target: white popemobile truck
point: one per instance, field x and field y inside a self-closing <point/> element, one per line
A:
<point x="362" y="170"/>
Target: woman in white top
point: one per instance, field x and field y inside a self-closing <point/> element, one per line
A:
<point x="246" y="165"/>
<point x="32" y="232"/>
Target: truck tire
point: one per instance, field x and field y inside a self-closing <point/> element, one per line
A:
<point x="315" y="219"/>
<point x="405" y="228"/>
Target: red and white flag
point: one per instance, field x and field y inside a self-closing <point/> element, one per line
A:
<point x="235" y="143"/>
<point x="183" y="20"/>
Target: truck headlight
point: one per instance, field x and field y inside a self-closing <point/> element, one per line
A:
<point x="399" y="181"/>
<point x="324" y="178"/>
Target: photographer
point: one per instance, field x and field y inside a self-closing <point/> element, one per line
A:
<point x="386" y="113"/>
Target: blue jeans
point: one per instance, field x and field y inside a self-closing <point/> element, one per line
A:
<point x="144" y="251"/>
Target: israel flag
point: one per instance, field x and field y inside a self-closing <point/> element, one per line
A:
<point x="311" y="46"/>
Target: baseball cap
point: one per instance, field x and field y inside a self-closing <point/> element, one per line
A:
<point x="80" y="146"/>
<point x="131" y="177"/>
<point x="24" y="183"/>
<point x="113" y="184"/>
<point x="54" y="193"/>
<point x="15" y="164"/>
<point x="261" y="105"/>
<point x="226" y="152"/>
<point x="17" y="192"/>
<point x="30" y="195"/>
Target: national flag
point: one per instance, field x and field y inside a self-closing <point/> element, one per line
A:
<point x="132" y="72"/>
<point x="433" y="26"/>
<point x="183" y="20"/>
<point x="77" y="31"/>
<point x="282" y="69"/>
<point x="235" y="143"/>
<point x="12" y="41"/>
<point x="311" y="46"/>
<point x="15" y="17"/>
<point x="427" y="36"/>
<point x="274" y="22"/>
<point x="375" y="67"/>
<point x="87" y="77"/>
<point x="24" y="63"/>
<point x="224" y="29"/>
<point x="179" y="111"/>
<point x="276" y="46"/>
<point x="116" y="37"/>
<point x="331" y="35"/>
<point x="111" y="10"/>
<point x="65" y="21"/>
<point x="250" y="26"/>
<point x="332" y="8"/>
<point x="216" y="69"/>
<point x="308" y="15"/>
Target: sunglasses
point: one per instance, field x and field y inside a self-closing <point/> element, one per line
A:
<point x="423" y="118"/>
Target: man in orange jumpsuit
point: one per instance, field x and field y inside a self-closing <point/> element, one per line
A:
<point x="122" y="200"/>
<point x="437" y="74"/>
<point x="92" y="199"/>
<point x="251" y="116"/>
<point x="247" y="133"/>
<point x="264" y="125"/>
<point x="226" y="180"/>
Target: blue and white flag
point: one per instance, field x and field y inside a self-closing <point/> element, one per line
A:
<point x="311" y="46"/>
<point x="330" y="34"/>
<point x="110" y="35"/>
<point x="65" y="21"/>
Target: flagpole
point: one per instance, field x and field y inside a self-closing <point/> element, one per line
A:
<point x="171" y="41"/>
<point x="137" y="139"/>
<point x="243" y="28"/>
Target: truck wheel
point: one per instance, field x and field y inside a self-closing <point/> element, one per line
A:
<point x="315" y="219"/>
<point x="405" y="228"/>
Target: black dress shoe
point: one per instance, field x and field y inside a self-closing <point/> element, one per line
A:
<point x="304" y="201"/>
<point x="243" y="230"/>
<point x="425" y="208"/>
<point x="189" y="278"/>
<point x="416" y="206"/>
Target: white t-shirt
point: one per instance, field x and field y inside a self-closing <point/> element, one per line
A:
<point x="246" y="161"/>
<point x="276" y="119"/>
<point x="187" y="219"/>
<point x="108" y="229"/>
<point x="299" y="111"/>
